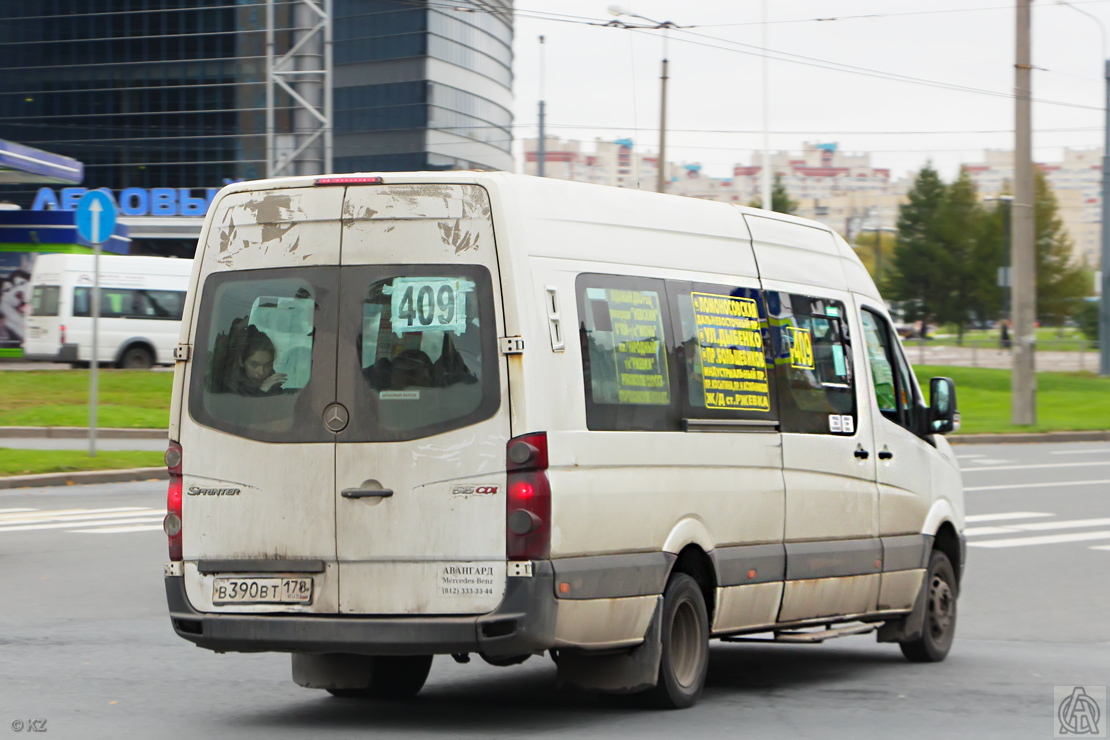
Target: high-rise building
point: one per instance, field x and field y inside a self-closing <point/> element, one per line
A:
<point x="1076" y="181"/>
<point x="172" y="94"/>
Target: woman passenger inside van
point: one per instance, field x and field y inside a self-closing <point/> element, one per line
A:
<point x="252" y="367"/>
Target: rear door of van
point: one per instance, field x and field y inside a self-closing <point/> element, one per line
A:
<point x="419" y="491"/>
<point x="258" y="461"/>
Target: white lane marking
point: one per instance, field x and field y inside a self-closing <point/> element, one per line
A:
<point x="70" y="525"/>
<point x="1037" y="466"/>
<point x="968" y="457"/>
<point x="1039" y="485"/>
<point x="6" y="518"/>
<point x="100" y="514"/>
<point x="1001" y="517"/>
<point x="988" y="461"/>
<point x="9" y="511"/>
<point x="1100" y="547"/>
<point x="1047" y="540"/>
<point x="1037" y="526"/>
<point x="1097" y="451"/>
<point x="121" y="530"/>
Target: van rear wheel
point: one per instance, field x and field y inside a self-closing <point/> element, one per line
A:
<point x="136" y="358"/>
<point x="685" y="636"/>
<point x="399" y="676"/>
<point x="940" y="614"/>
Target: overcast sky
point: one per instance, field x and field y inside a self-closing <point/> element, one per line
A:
<point x="604" y="82"/>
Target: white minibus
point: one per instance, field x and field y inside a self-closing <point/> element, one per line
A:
<point x="465" y="413"/>
<point x="141" y="299"/>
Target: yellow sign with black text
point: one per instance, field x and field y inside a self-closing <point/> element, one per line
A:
<point x="733" y="361"/>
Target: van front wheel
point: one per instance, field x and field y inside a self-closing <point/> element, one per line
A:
<point x="940" y="614"/>
<point x="685" y="636"/>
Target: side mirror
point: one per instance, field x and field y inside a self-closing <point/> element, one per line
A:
<point x="944" y="416"/>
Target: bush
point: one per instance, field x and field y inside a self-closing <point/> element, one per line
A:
<point x="1087" y="319"/>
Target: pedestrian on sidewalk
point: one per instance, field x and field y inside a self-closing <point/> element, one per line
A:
<point x="1004" y="338"/>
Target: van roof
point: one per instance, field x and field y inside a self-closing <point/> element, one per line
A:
<point x="561" y="201"/>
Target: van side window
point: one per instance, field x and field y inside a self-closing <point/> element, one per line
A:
<point x="813" y="362"/>
<point x="725" y="350"/>
<point x="894" y="389"/>
<point x="257" y="335"/>
<point x="126" y="303"/>
<point x="625" y="351"/>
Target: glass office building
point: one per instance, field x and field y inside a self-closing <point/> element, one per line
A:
<point x="172" y="93"/>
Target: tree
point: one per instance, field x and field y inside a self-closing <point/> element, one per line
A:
<point x="958" y="229"/>
<point x="781" y="202"/>
<point x="877" y="261"/>
<point x="993" y="252"/>
<point x="1061" y="284"/>
<point x="919" y="273"/>
<point x="1087" y="318"/>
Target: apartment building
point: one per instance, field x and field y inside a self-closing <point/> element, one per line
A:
<point x="1076" y="180"/>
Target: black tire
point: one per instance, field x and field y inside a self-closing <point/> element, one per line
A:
<point x="136" y="358"/>
<point x="396" y="677"/>
<point x="685" y="636"/>
<point x="939" y="629"/>
<point x="399" y="676"/>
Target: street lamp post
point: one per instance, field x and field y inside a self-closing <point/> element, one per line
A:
<point x="661" y="176"/>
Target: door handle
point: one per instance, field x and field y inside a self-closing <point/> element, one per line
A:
<point x="885" y="454"/>
<point x="861" y="453"/>
<point x="366" y="493"/>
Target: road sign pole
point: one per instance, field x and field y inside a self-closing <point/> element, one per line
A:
<point x="95" y="220"/>
<point x="94" y="365"/>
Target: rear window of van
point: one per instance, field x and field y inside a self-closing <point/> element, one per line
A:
<point x="409" y="350"/>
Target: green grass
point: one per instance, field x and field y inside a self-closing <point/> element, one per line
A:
<point x="135" y="399"/>
<point x="31" y="462"/>
<point x="60" y="398"/>
<point x="1065" y="401"/>
<point x="1049" y="339"/>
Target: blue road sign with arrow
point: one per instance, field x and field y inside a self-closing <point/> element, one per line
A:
<point x="96" y="216"/>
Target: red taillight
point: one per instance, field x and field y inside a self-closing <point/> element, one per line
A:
<point x="348" y="181"/>
<point x="62" y="334"/>
<point x="172" y="523"/>
<point x="528" y="504"/>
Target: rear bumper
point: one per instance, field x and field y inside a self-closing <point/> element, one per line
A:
<point x="67" y="353"/>
<point x="523" y="623"/>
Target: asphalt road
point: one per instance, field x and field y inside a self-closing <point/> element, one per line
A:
<point x="85" y="643"/>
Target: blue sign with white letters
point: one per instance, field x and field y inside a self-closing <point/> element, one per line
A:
<point x="96" y="216"/>
<point x="135" y="201"/>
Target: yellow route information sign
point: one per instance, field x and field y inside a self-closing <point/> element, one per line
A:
<point x="638" y="339"/>
<point x="734" y="366"/>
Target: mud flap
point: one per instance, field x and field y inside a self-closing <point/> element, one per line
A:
<point x="332" y="671"/>
<point x="616" y="673"/>
<point x="911" y="626"/>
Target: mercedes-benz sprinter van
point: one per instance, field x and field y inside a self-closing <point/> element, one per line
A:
<point x="485" y="414"/>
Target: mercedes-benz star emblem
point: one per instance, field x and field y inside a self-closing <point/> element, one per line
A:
<point x="336" y="417"/>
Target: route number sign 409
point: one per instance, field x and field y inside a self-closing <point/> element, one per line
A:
<point x="428" y="304"/>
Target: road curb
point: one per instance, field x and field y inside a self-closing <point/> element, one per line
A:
<point x="82" y="433"/>
<point x="979" y="439"/>
<point x="85" y="477"/>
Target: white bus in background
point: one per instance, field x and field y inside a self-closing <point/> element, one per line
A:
<point x="140" y="309"/>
